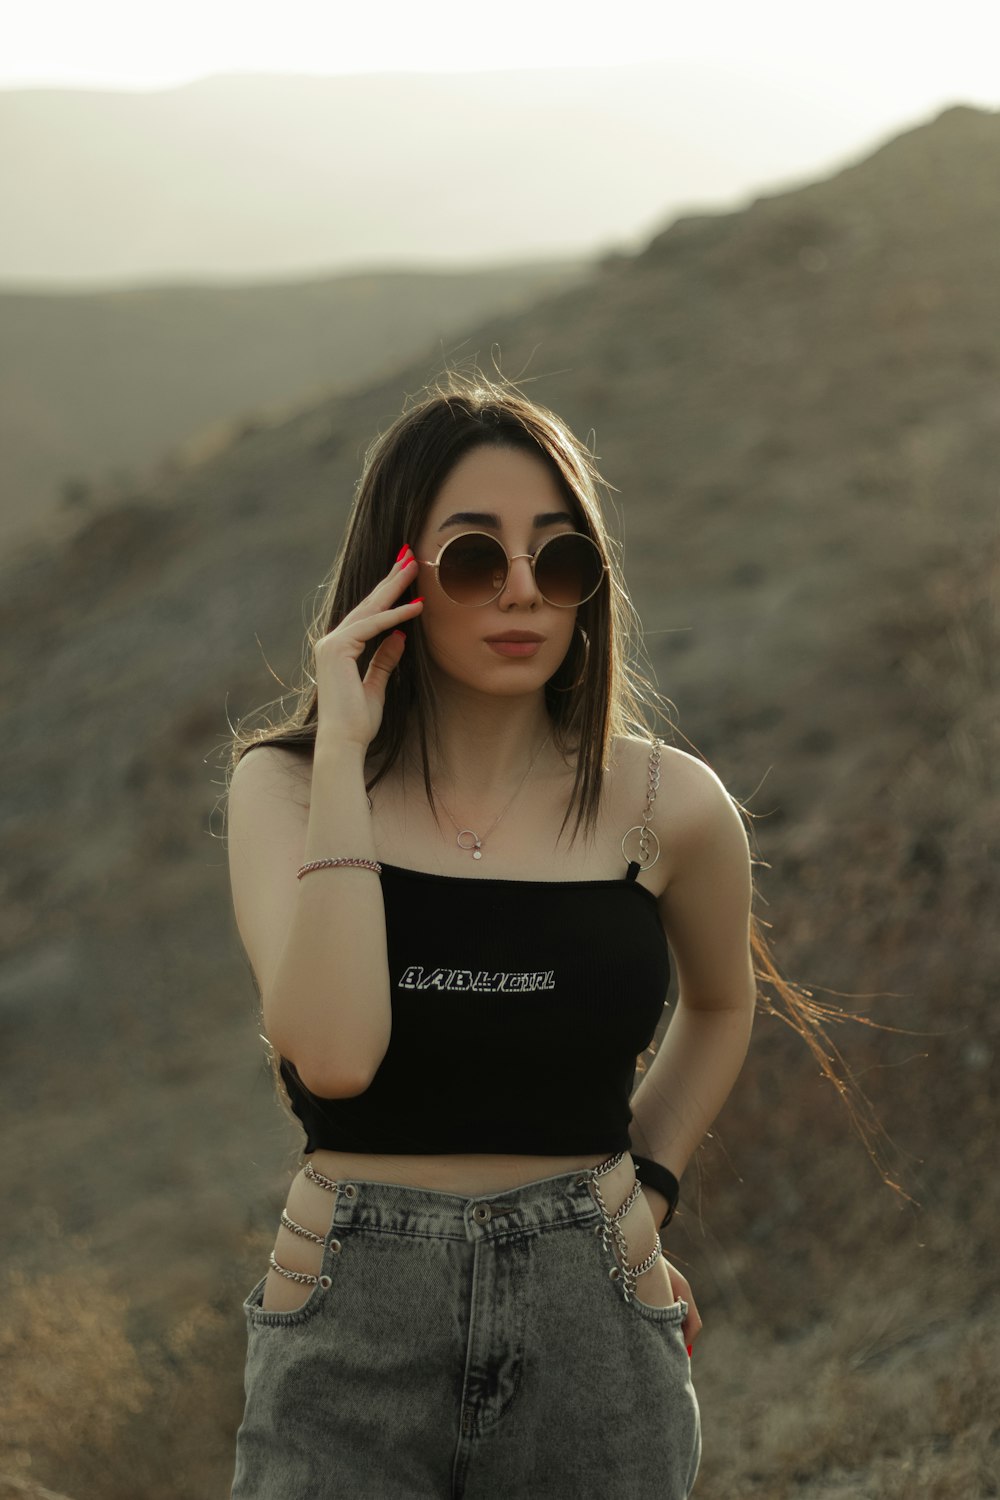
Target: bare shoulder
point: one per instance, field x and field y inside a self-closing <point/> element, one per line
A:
<point x="705" y="901"/>
<point x="272" y="771"/>
<point x="268" y="819"/>
<point x="691" y="805"/>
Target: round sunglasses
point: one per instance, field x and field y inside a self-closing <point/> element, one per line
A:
<point x="473" y="568"/>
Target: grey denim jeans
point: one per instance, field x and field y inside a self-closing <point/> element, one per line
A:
<point x="467" y="1349"/>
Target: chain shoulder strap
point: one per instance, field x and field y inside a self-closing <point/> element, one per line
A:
<point x="643" y="829"/>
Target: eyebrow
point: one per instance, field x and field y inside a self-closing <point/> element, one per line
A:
<point x="491" y="519"/>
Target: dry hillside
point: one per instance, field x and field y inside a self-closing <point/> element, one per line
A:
<point x="798" y="405"/>
<point x="101" y="387"/>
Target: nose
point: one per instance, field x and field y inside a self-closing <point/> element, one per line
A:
<point x="520" y="587"/>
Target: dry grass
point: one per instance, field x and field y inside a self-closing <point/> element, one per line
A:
<point x="71" y="1378"/>
<point x="91" y="1405"/>
<point x="875" y="1404"/>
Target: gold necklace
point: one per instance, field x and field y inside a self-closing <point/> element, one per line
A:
<point x="476" y="847"/>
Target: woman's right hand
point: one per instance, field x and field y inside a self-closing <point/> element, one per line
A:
<point x="348" y="708"/>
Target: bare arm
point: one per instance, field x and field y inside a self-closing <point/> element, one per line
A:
<point x="317" y="945"/>
<point x="706" y="915"/>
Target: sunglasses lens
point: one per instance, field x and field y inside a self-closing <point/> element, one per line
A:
<point x="473" y="569"/>
<point x="569" y="569"/>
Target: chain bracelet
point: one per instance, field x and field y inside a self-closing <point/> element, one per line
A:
<point x="325" y="864"/>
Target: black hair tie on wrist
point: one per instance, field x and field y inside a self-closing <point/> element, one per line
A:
<point x="661" y="1180"/>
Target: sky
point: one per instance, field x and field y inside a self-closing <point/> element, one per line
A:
<point x="904" y="59"/>
<point x="774" y="92"/>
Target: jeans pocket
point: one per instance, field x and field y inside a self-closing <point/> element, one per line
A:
<point x="255" y="1297"/>
<point x="669" y="1318"/>
<point x="258" y="1317"/>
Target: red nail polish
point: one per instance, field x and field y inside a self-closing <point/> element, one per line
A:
<point x="401" y="551"/>
<point x="689" y="1351"/>
<point x="418" y="601"/>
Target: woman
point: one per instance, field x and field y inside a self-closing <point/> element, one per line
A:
<point x="467" y="1294"/>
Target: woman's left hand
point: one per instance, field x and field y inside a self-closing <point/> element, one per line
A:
<point x="681" y="1288"/>
<point x="679" y="1284"/>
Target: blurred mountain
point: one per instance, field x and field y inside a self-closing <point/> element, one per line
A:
<point x="99" y="386"/>
<point x="797" y="405"/>
<point x="259" y="177"/>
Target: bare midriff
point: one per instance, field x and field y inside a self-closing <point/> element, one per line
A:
<point x="473" y="1176"/>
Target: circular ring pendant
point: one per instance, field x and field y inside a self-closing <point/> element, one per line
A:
<point x="638" y="828"/>
<point x="474" y="846"/>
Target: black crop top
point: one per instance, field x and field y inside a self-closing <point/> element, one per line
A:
<point x="519" y="1008"/>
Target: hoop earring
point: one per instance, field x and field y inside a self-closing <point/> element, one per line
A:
<point x="586" y="662"/>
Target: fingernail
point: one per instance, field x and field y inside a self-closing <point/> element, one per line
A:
<point x="400" y="632"/>
<point x="418" y="601"/>
<point x="689" y="1351"/>
<point x="401" y="551"/>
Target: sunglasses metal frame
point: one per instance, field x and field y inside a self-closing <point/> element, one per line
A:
<point x="532" y="558"/>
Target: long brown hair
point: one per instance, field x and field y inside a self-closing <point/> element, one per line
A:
<point x="597" y="693"/>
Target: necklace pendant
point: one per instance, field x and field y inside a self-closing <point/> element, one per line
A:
<point x="467" y="833"/>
